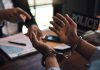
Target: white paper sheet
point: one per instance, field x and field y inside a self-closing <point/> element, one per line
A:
<point x="19" y="38"/>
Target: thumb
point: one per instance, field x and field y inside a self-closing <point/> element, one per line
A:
<point x="22" y="17"/>
<point x="34" y="38"/>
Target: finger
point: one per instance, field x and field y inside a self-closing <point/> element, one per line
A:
<point x="34" y="37"/>
<point x="23" y="18"/>
<point x="71" y="22"/>
<point x="14" y="17"/>
<point x="61" y="17"/>
<point x="36" y="30"/>
<point x="44" y="38"/>
<point x="54" y="30"/>
<point x="39" y="34"/>
<point x="9" y="18"/>
<point x="29" y="33"/>
<point x="20" y="11"/>
<point x="58" y="21"/>
<point x="57" y="27"/>
<point x="36" y="33"/>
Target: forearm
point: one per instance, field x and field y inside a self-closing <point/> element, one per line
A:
<point x="86" y="49"/>
<point x="51" y="62"/>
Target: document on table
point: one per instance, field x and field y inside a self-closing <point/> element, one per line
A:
<point x="21" y="45"/>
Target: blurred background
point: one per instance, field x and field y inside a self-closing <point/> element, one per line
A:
<point x="43" y="10"/>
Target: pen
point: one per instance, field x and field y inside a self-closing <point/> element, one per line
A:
<point x="23" y="44"/>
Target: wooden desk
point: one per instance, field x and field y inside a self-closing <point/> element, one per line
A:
<point x="33" y="62"/>
<point x="30" y="62"/>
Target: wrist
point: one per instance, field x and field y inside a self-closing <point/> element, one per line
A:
<point x="73" y="41"/>
<point x="48" y="56"/>
<point x="51" y="62"/>
<point x="77" y="45"/>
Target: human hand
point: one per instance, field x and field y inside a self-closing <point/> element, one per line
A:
<point x="14" y="15"/>
<point x="65" y="28"/>
<point x="34" y="28"/>
<point x="39" y="45"/>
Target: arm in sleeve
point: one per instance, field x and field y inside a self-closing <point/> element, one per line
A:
<point x="96" y="55"/>
<point x="25" y="6"/>
<point x="95" y="61"/>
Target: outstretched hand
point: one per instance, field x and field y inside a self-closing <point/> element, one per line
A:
<point x="65" y="28"/>
<point x="40" y="46"/>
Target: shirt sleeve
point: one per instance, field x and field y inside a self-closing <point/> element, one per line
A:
<point x="96" y="55"/>
<point x="53" y="68"/>
<point x="25" y="6"/>
<point x="95" y="60"/>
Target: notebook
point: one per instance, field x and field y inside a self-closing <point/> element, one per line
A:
<point x="85" y="22"/>
<point x="16" y="50"/>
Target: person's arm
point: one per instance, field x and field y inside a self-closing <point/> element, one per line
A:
<point x="51" y="63"/>
<point x="14" y="15"/>
<point x="30" y="23"/>
<point x="25" y="6"/>
<point x="95" y="60"/>
<point x="66" y="29"/>
<point x="49" y="56"/>
<point x="86" y="49"/>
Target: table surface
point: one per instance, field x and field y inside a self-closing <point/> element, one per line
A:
<point x="33" y="61"/>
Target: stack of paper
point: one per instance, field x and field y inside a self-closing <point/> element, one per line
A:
<point x="16" y="50"/>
